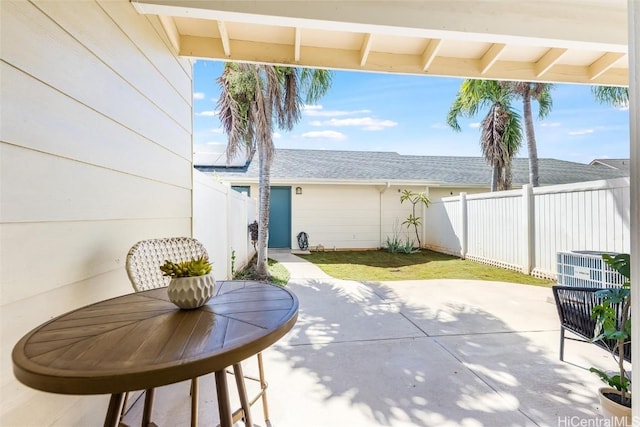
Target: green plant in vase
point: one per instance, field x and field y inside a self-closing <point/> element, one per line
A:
<point x="192" y="283"/>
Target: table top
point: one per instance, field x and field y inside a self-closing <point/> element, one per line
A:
<point x="142" y="340"/>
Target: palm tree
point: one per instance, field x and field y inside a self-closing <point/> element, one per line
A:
<point x="612" y="95"/>
<point x="252" y="98"/>
<point x="540" y="92"/>
<point x="501" y="135"/>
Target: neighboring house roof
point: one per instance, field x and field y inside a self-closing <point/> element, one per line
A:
<point x="336" y="166"/>
<point x="619" y="164"/>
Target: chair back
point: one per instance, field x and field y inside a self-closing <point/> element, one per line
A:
<point x="145" y="258"/>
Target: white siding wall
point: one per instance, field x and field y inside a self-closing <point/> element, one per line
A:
<point x="395" y="213"/>
<point x="356" y="216"/>
<point x="95" y="152"/>
<point x="344" y="217"/>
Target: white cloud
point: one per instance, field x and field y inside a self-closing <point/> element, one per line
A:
<point x="198" y="95"/>
<point x="209" y="113"/>
<point x="366" y="123"/>
<point x="217" y="130"/>
<point x="277" y="135"/>
<point x="475" y="125"/>
<point x="319" y="111"/>
<point x="622" y="107"/>
<point x="307" y="107"/>
<point x="325" y="134"/>
<point x="580" y="132"/>
<point x="550" y="124"/>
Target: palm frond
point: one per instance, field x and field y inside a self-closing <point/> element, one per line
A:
<point x="314" y="83"/>
<point x="612" y="95"/>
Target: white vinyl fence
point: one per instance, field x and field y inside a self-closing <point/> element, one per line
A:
<point x="220" y="221"/>
<point x="524" y="229"/>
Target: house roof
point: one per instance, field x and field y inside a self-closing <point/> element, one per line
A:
<point x="299" y="166"/>
<point x="620" y="164"/>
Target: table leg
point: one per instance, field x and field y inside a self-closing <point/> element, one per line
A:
<point x="242" y="391"/>
<point x="148" y="406"/>
<point x="194" y="402"/>
<point x="223" y="399"/>
<point x="113" y="411"/>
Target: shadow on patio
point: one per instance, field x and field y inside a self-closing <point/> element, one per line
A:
<point x="417" y="353"/>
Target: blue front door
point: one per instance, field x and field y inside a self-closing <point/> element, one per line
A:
<point x="280" y="217"/>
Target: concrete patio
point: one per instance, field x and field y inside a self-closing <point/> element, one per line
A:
<point x="413" y="353"/>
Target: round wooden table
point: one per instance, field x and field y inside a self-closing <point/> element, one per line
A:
<point x="140" y="341"/>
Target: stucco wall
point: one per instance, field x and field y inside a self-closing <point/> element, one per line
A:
<point x="95" y="150"/>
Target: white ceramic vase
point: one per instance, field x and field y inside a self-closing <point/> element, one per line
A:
<point x="191" y="292"/>
<point x="618" y="414"/>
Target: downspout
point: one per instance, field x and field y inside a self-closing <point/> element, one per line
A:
<point x="382" y="190"/>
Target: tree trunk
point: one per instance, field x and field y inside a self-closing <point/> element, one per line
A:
<point x="264" y="195"/>
<point x="495" y="173"/>
<point x="531" y="140"/>
<point x="507" y="174"/>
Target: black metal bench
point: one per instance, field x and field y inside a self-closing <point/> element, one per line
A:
<point x="574" y="306"/>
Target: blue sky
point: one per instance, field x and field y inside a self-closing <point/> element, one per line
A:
<point x="407" y="114"/>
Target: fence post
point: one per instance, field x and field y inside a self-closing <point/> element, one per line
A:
<point x="463" y="225"/>
<point x="527" y="232"/>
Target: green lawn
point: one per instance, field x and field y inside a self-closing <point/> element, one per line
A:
<point x="278" y="275"/>
<point x="382" y="265"/>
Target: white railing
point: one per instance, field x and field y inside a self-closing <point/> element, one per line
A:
<point x="220" y="221"/>
<point x="524" y="229"/>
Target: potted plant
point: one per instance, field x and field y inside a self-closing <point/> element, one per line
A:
<point x="192" y="283"/>
<point x="613" y="322"/>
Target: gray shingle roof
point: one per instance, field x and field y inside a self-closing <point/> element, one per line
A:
<point x="319" y="165"/>
<point x="620" y="164"/>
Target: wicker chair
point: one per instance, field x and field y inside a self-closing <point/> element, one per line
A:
<point x="574" y="306"/>
<point x="143" y="268"/>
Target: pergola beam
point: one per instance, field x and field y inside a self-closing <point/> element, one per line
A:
<point x="548" y="60"/>
<point x="169" y="26"/>
<point x="318" y="57"/>
<point x="365" y="49"/>
<point x="491" y="56"/>
<point x="296" y="44"/>
<point x="224" y="38"/>
<point x="430" y="53"/>
<point x="603" y="64"/>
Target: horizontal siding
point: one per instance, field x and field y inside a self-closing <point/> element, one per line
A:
<point x="96" y="154"/>
<point x="344" y="218"/>
<point x="40" y="47"/>
<point x="45" y="119"/>
<point x="68" y="252"/>
<point x="87" y="22"/>
<point x="57" y="189"/>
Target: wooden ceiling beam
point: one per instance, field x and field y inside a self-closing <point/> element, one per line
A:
<point x="603" y="64"/>
<point x="548" y="60"/>
<point x="365" y="49"/>
<point x="430" y="53"/>
<point x="331" y="58"/>
<point x="169" y="26"/>
<point x="224" y="38"/>
<point x="296" y="44"/>
<point x="491" y="56"/>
